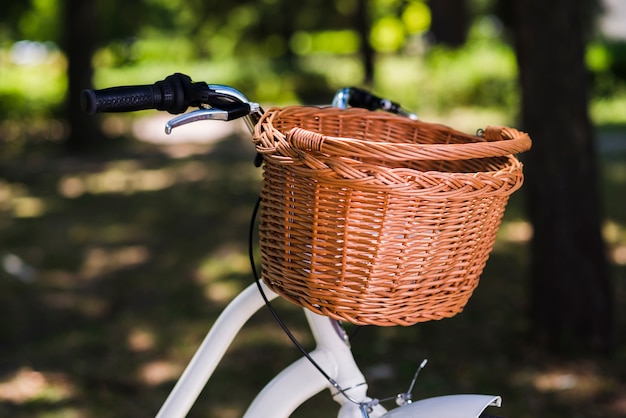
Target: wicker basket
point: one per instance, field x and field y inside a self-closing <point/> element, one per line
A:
<point x="371" y="218"/>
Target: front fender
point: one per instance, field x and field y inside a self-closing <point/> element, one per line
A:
<point x="450" y="406"/>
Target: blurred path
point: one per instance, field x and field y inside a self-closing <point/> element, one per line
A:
<point x="152" y="129"/>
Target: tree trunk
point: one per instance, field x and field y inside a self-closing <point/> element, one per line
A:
<point x="363" y="26"/>
<point x="449" y="22"/>
<point x="571" y="296"/>
<point x="79" y="44"/>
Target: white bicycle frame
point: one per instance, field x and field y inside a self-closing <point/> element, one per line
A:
<point x="301" y="380"/>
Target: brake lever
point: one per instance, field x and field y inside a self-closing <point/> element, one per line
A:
<point x="233" y="112"/>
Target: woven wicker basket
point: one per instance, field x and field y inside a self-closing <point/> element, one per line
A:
<point x="371" y="218"/>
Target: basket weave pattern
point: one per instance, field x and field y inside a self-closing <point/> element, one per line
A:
<point x="374" y="219"/>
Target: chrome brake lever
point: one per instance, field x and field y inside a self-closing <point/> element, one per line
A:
<point x="237" y="106"/>
<point x="196" y="115"/>
<point x="250" y="111"/>
<point x="228" y="91"/>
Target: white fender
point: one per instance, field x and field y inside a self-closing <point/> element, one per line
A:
<point x="450" y="406"/>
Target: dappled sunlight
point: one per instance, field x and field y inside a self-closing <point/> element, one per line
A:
<point x="152" y="129"/>
<point x="270" y="334"/>
<point x="66" y="293"/>
<point x="467" y="119"/>
<point x="88" y="306"/>
<point x="26" y="385"/>
<point x="223" y="262"/>
<point x="613" y="232"/>
<point x="186" y="140"/>
<point x="619" y="255"/>
<point x="126" y="177"/>
<point x="222" y="291"/>
<point x="36" y="129"/>
<point x="615" y="236"/>
<point x="117" y="180"/>
<point x="99" y="261"/>
<point x="225" y="412"/>
<point x="578" y="383"/>
<point x="6" y="194"/>
<point x="140" y="340"/>
<point x="28" y="207"/>
<point x="157" y="372"/>
<point x="199" y="136"/>
<point x="114" y="125"/>
<point x="71" y="187"/>
<point x="517" y="231"/>
<point x="214" y="271"/>
<point x="15" y="198"/>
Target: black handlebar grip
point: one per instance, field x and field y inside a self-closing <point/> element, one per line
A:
<point x="174" y="94"/>
<point x="120" y="99"/>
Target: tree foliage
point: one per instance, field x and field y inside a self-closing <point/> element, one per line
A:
<point x="215" y="27"/>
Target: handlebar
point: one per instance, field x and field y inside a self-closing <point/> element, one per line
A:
<point x="177" y="92"/>
<point x="174" y="94"/>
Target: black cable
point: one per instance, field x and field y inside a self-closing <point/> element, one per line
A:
<point x="282" y="324"/>
<point x="269" y="305"/>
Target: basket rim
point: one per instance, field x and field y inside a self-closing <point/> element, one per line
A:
<point x="293" y="139"/>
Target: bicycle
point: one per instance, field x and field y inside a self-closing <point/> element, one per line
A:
<point x="331" y="364"/>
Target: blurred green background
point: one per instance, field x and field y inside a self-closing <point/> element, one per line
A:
<point x="115" y="261"/>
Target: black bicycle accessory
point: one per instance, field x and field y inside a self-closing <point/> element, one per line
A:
<point x="356" y="97"/>
<point x="364" y="99"/>
<point x="174" y="94"/>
